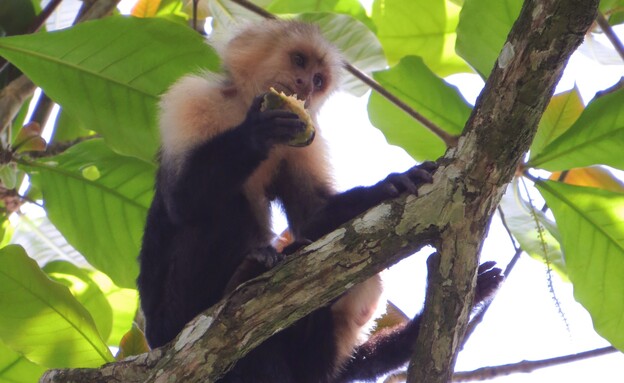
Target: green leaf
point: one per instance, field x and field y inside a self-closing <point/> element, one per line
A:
<point x="16" y="16"/>
<point x="123" y="301"/>
<point x="6" y="230"/>
<point x="41" y="320"/>
<point x="20" y="118"/>
<point x="591" y="222"/>
<point x="43" y="241"/>
<point x="86" y="291"/>
<point x="521" y="223"/>
<point x="606" y="6"/>
<point x="15" y="368"/>
<point x="109" y="73"/>
<point x="597" y="137"/>
<point x="482" y="31"/>
<point x="227" y="14"/>
<point x="357" y="43"/>
<point x="420" y="28"/>
<point x="348" y="7"/>
<point x="429" y="95"/>
<point x="68" y="128"/>
<point x="102" y="218"/>
<point x="562" y="111"/>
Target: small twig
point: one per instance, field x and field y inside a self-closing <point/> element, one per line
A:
<point x="528" y="366"/>
<point x="608" y="31"/>
<point x="12" y="97"/>
<point x="449" y="139"/>
<point x="56" y="148"/>
<point x="95" y="9"/>
<point x="42" y="110"/>
<point x="43" y="16"/>
<point x="255" y="9"/>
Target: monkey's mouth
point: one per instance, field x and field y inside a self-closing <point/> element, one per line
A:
<point x="281" y="87"/>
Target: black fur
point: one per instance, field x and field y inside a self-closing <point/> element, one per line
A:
<point x="202" y="239"/>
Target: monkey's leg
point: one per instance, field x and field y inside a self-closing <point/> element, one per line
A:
<point x="343" y="207"/>
<point x="390" y="349"/>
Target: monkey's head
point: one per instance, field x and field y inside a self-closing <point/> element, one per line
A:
<point x="290" y="56"/>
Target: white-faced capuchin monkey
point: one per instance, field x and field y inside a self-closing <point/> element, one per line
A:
<point x="223" y="160"/>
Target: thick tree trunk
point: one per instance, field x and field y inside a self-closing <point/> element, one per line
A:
<point x="496" y="137"/>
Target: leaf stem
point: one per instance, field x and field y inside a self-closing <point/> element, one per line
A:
<point x="608" y="31"/>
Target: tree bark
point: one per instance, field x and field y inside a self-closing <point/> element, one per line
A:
<point x="497" y="135"/>
<point x="452" y="213"/>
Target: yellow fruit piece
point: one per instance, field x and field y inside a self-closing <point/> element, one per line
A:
<point x="276" y="100"/>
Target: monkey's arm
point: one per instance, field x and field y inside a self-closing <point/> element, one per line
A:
<point x="337" y="209"/>
<point x="216" y="170"/>
<point x="390" y="349"/>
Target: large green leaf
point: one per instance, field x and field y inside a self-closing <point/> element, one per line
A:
<point x="15" y="368"/>
<point x="597" y="137"/>
<point x="68" y="128"/>
<point x="357" y="43"/>
<point x="40" y="318"/>
<point x="591" y="223"/>
<point x="98" y="200"/>
<point x="109" y="73"/>
<point x="423" y="28"/>
<point x="562" y="111"/>
<point x="86" y="291"/>
<point x="429" y="95"/>
<point x="482" y="30"/>
<point x="123" y="301"/>
<point x="541" y="244"/>
<point x="42" y="240"/>
<point x="348" y="7"/>
<point x="227" y="14"/>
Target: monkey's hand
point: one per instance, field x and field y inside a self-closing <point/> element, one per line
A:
<point x="255" y="263"/>
<point x="397" y="183"/>
<point x="489" y="278"/>
<point x="272" y="126"/>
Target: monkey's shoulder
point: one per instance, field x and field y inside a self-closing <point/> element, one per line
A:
<point x="197" y="108"/>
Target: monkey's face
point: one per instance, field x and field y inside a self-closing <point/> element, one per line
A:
<point x="291" y="57"/>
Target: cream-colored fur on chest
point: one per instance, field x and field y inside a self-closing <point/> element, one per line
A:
<point x="353" y="314"/>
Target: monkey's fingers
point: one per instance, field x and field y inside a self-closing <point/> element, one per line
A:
<point x="257" y="103"/>
<point x="283" y="130"/>
<point x="488" y="281"/>
<point x="419" y="176"/>
<point x="428" y="166"/>
<point x="485" y="266"/>
<point x="272" y="114"/>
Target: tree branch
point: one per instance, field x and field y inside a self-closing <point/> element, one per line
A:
<point x="497" y="135"/>
<point x="316" y="275"/>
<point x="527" y="366"/>
<point x="608" y="31"/>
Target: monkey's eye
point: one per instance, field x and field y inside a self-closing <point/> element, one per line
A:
<point x="299" y="60"/>
<point x="317" y="80"/>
